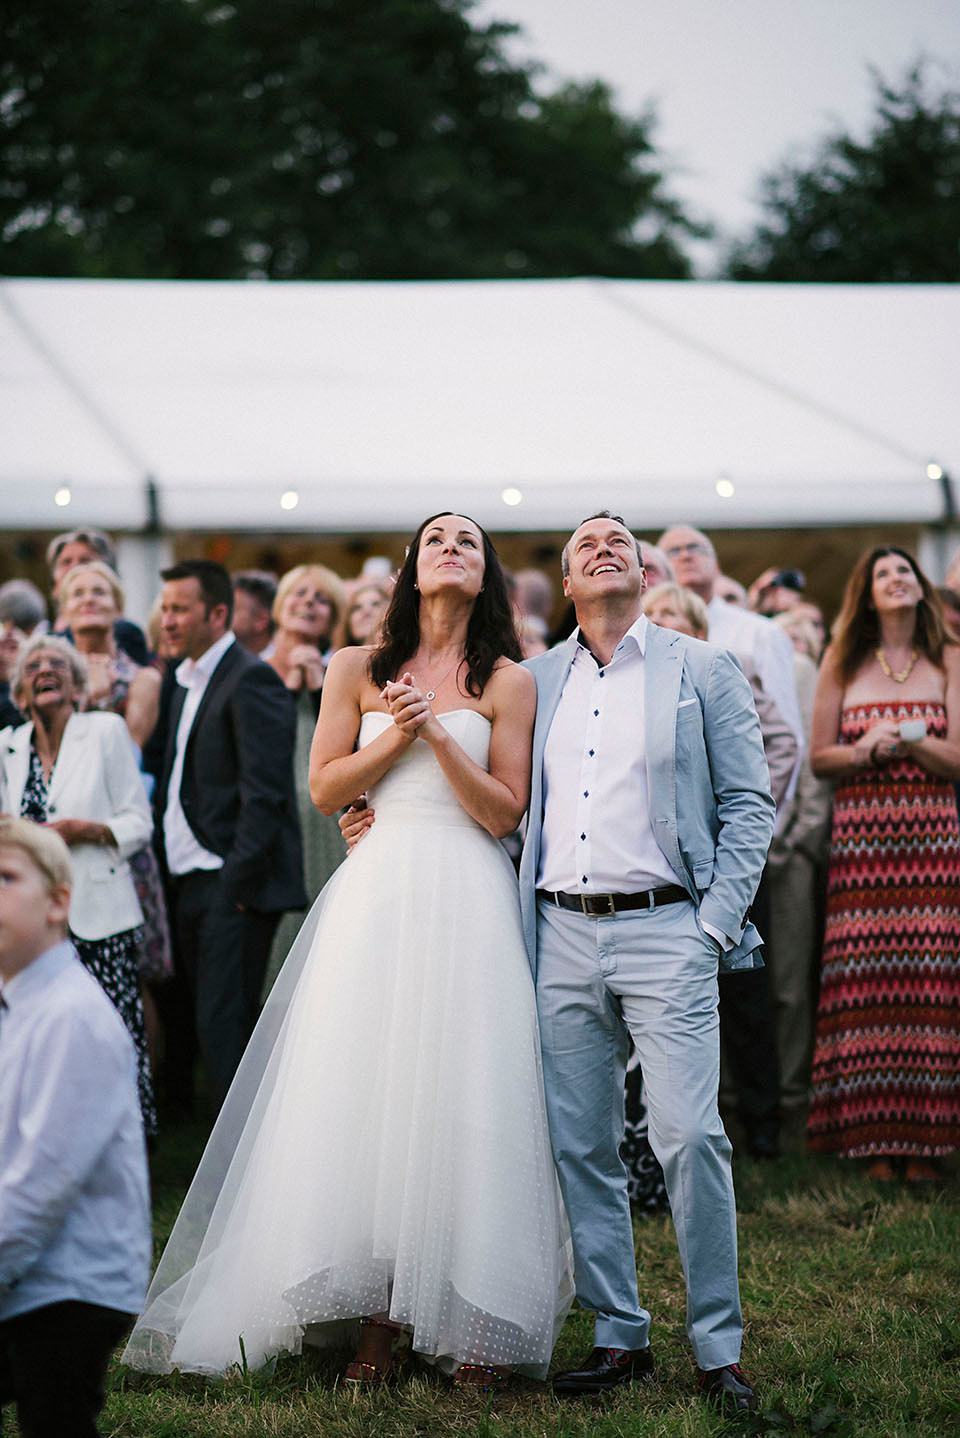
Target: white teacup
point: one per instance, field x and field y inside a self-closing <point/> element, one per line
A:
<point x="912" y="729"/>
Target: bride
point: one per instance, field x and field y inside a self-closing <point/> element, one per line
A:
<point x="383" y="1152"/>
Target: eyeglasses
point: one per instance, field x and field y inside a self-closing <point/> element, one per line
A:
<point x="33" y="667"/>
<point x="696" y="547"/>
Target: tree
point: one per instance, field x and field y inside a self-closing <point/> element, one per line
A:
<point x="318" y="139"/>
<point x="887" y="210"/>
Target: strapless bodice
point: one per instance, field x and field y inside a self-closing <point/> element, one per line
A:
<point x="414" y="789"/>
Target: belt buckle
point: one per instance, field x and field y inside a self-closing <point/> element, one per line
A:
<point x="594" y="911"/>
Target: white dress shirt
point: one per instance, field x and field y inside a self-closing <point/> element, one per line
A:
<point x="183" y="849"/>
<point x="74" y="1196"/>
<point x="596" y="836"/>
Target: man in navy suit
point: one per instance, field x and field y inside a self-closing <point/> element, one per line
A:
<point x="226" y="813"/>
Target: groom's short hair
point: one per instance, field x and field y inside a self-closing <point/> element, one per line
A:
<point x="600" y="514"/>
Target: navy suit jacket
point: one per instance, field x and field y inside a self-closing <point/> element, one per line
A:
<point x="237" y="789"/>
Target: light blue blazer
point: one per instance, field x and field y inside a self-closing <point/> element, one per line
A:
<point x="710" y="804"/>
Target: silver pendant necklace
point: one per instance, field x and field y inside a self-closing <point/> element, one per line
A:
<point x="431" y="694"/>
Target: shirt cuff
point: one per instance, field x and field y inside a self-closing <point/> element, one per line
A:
<point x="725" y="944"/>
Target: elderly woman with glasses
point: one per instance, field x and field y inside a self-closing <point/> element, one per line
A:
<point x="78" y="774"/>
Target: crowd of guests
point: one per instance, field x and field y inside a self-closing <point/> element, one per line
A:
<point x="80" y="657"/>
<point x="174" y="765"/>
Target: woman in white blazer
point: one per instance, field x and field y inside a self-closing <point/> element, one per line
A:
<point x="78" y="773"/>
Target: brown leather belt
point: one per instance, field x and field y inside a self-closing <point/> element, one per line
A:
<point x="598" y="906"/>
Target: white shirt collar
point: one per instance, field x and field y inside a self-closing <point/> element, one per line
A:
<point x="40" y="970"/>
<point x="203" y="667"/>
<point x="636" y="634"/>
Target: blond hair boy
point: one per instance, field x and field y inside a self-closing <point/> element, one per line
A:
<point x="74" y="1203"/>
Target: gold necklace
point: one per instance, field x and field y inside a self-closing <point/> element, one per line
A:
<point x="904" y="674"/>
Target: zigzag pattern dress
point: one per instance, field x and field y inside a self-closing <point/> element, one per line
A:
<point x="886" y="1067"/>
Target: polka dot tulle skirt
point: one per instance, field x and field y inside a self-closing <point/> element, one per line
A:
<point x="384" y="1147"/>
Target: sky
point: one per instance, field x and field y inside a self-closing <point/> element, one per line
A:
<point x="738" y="85"/>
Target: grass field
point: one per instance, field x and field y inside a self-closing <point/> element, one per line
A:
<point x="851" y="1298"/>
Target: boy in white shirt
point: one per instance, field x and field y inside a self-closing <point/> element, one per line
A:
<point x="74" y="1198"/>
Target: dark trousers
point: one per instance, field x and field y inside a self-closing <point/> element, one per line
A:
<point x="748" y="1038"/>
<point x="53" y="1364"/>
<point x="221" y="952"/>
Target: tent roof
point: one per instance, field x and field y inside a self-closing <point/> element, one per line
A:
<point x="380" y="402"/>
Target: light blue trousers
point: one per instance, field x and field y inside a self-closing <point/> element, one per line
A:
<point x="652" y="973"/>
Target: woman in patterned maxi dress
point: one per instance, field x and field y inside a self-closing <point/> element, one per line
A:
<point x="886" y="729"/>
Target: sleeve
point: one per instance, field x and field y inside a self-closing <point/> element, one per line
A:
<point x="4" y="796"/>
<point x="130" y="819"/>
<point x="773" y="656"/>
<point x="779" y="742"/>
<point x="744" y="806"/>
<point x="74" y="1095"/>
<point x="263" y="714"/>
<point x="806" y="822"/>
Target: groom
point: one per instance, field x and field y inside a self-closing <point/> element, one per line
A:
<point x="650" y="816"/>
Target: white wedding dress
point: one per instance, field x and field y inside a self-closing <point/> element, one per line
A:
<point x="384" y="1145"/>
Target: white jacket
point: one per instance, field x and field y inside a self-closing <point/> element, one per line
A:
<point x="95" y="777"/>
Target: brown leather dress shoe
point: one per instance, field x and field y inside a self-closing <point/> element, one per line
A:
<point x="727" y="1388"/>
<point x="605" y="1368"/>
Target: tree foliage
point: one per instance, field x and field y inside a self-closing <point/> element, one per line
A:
<point x="320" y="139"/>
<point x="887" y="210"/>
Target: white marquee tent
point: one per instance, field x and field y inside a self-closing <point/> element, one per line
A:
<point x="376" y="403"/>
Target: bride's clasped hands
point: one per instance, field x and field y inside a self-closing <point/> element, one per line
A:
<point x="410" y="709"/>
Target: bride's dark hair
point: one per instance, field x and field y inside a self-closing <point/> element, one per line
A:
<point x="491" y="633"/>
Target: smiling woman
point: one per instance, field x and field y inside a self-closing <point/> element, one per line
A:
<point x="886" y="728"/>
<point x="368" y="604"/>
<point x="91" y="603"/>
<point x="77" y="773"/>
